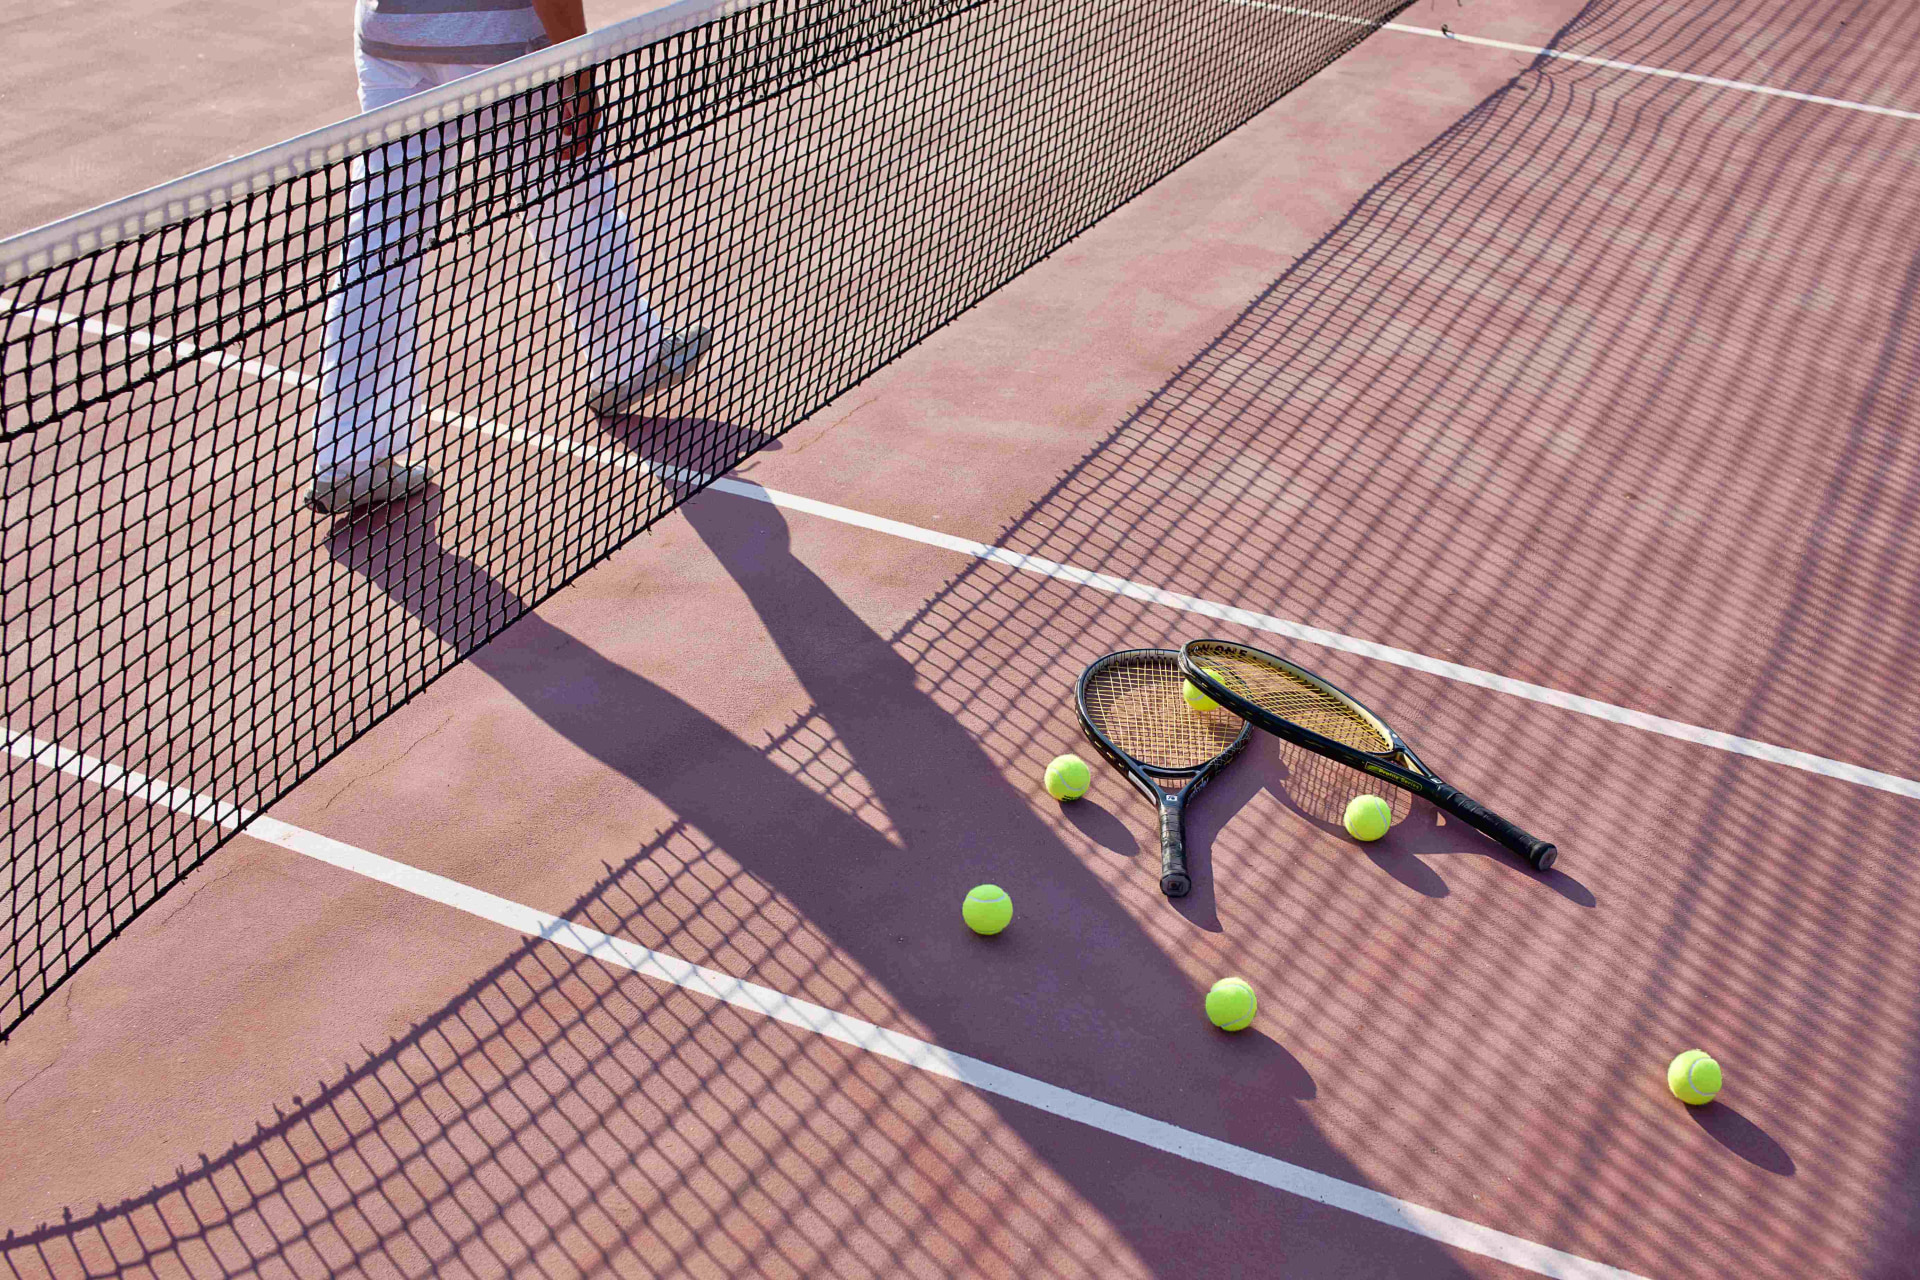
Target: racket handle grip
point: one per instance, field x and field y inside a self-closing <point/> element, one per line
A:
<point x="1538" y="853"/>
<point x="1174" y="881"/>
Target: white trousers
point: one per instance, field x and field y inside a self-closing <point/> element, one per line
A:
<point x="370" y="404"/>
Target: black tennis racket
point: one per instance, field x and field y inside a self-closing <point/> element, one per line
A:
<point x="1297" y="705"/>
<point x="1132" y="712"/>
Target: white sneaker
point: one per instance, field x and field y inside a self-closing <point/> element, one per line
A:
<point x="680" y="354"/>
<point x="343" y="490"/>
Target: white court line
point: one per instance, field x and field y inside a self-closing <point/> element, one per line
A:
<point x="1720" y="741"/>
<point x="147" y="339"/>
<point x="1613" y="714"/>
<point x="976" y="1073"/>
<point x="1715" y="82"/>
<point x="1610" y="712"/>
<point x="1607" y="711"/>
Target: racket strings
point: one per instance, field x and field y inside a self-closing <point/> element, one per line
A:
<point x="1284" y="694"/>
<point x="1135" y="701"/>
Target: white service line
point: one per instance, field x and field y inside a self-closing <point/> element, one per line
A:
<point x="1534" y="51"/>
<point x="1767" y="751"/>
<point x="1607" y="711"/>
<point x="976" y="1073"/>
<point x="1720" y="741"/>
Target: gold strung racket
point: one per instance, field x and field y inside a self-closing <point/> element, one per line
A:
<point x="1292" y="703"/>
<point x="1132" y="712"/>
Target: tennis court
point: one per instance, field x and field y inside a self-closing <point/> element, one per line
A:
<point x="1546" y="381"/>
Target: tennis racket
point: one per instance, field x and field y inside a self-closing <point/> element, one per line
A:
<point x="1132" y="712"/>
<point x="1299" y="706"/>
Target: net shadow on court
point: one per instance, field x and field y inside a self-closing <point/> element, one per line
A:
<point x="562" y="1115"/>
<point x="1603" y="390"/>
<point x="1558" y="297"/>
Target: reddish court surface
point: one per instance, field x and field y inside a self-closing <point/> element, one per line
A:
<point x="1583" y="377"/>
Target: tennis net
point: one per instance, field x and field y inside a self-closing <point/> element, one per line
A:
<point x="548" y="302"/>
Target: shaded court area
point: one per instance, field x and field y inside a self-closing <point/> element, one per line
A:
<point x="812" y="186"/>
<point x="1603" y="389"/>
<point x="554" y="1117"/>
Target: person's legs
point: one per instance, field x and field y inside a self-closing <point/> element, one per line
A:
<point x="582" y="238"/>
<point x="368" y="401"/>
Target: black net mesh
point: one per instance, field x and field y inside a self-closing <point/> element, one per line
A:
<point x="558" y="305"/>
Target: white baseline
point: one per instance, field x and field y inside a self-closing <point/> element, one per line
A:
<point x="976" y="1073"/>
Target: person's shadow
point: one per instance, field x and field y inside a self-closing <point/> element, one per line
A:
<point x="1076" y="993"/>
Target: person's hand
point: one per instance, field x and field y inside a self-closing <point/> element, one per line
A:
<point x="579" y="115"/>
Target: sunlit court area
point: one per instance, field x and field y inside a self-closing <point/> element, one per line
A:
<point x="1018" y="638"/>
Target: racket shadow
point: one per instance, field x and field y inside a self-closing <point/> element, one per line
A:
<point x="1211" y="811"/>
<point x="1319" y="790"/>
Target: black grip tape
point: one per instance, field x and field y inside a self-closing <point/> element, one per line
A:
<point x="1536" y="851"/>
<point x="1174" y="881"/>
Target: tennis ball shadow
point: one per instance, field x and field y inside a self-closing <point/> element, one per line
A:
<point x="1101" y="826"/>
<point x="1319" y="790"/>
<point x="1407" y="869"/>
<point x="1254" y="1061"/>
<point x="1743" y="1137"/>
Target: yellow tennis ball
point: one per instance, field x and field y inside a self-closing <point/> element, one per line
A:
<point x="1230" y="1004"/>
<point x="1068" y="777"/>
<point x="1694" y="1078"/>
<point x="987" y="909"/>
<point x="1368" y="817"/>
<point x="1195" y="698"/>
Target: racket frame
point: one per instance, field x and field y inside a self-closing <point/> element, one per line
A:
<point x="1175" y="882"/>
<point x="1413" y="775"/>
